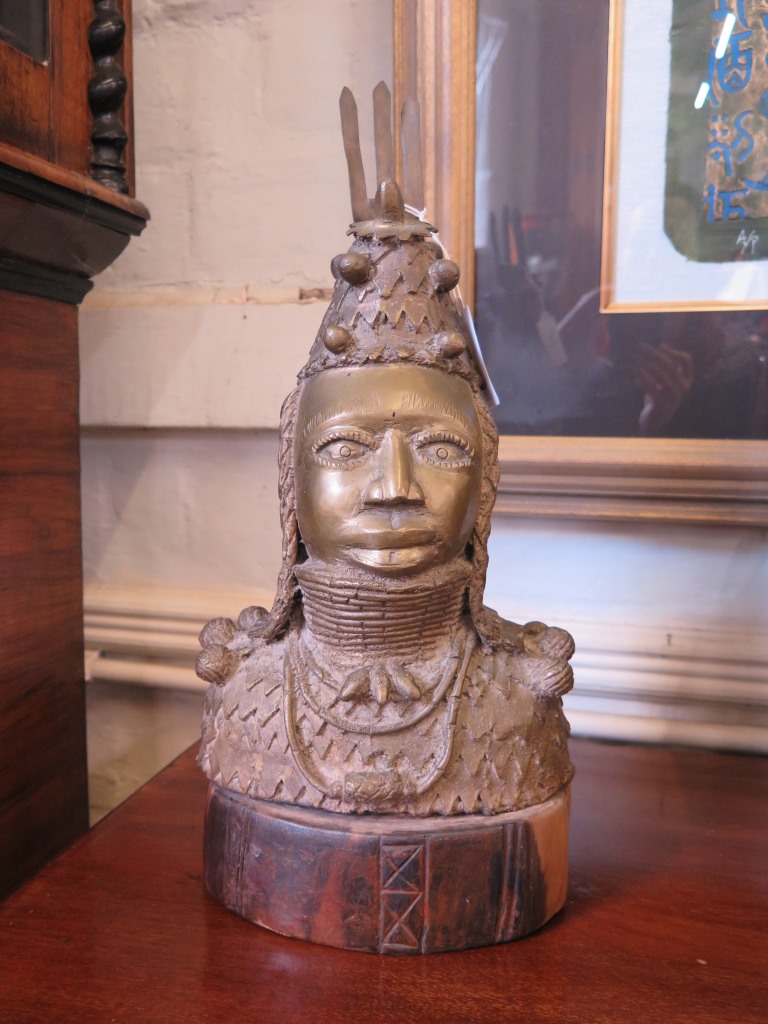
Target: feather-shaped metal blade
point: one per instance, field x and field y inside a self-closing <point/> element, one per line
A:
<point x="382" y="130"/>
<point x="350" y="132"/>
<point x="413" y="176"/>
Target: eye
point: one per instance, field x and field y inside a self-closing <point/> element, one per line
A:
<point x="342" y="448"/>
<point x="448" y="450"/>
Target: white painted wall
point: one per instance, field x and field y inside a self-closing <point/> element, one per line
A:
<point x="192" y="339"/>
<point x="712" y="579"/>
<point x="200" y="326"/>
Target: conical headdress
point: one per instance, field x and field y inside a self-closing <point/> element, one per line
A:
<point x="392" y="300"/>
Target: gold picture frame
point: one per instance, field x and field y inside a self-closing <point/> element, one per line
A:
<point x="649" y="272"/>
<point x="622" y="479"/>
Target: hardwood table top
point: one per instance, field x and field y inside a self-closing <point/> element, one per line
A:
<point x="666" y="920"/>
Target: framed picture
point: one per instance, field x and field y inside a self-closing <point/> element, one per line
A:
<point x="685" y="222"/>
<point x="440" y="56"/>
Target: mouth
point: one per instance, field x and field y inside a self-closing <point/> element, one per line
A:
<point x="387" y="540"/>
<point x="397" y="560"/>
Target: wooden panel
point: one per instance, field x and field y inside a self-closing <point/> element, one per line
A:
<point x="664" y="921"/>
<point x="43" y="781"/>
<point x="25" y="111"/>
<point x="38" y="385"/>
<point x="70" y="125"/>
<point x="45" y="108"/>
<point x="45" y="112"/>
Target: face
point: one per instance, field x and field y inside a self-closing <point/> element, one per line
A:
<point x="388" y="463"/>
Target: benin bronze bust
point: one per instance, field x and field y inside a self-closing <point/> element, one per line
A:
<point x="388" y="757"/>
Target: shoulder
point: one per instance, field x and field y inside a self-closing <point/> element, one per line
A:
<point x="536" y="638"/>
<point x="534" y="655"/>
<point x="228" y="647"/>
<point x="241" y="718"/>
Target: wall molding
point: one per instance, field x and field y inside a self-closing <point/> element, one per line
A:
<point x="655" y="684"/>
<point x="673" y="480"/>
<point x="161" y="296"/>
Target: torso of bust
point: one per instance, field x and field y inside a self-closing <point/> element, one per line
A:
<point x="473" y="737"/>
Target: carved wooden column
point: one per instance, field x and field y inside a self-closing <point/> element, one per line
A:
<point x="67" y="210"/>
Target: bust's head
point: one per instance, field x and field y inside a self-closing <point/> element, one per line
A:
<point x="388" y="454"/>
<point x="388" y="468"/>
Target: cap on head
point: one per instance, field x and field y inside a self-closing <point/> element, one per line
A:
<point x="392" y="299"/>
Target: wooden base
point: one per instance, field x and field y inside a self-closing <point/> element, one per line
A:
<point x="386" y="883"/>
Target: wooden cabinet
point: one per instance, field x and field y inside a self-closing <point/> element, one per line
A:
<point x="67" y="210"/>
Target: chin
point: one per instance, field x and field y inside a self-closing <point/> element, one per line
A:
<point x="393" y="561"/>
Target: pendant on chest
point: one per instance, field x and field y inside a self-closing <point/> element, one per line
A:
<point x="379" y="735"/>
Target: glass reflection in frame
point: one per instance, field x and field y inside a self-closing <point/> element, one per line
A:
<point x="559" y="365"/>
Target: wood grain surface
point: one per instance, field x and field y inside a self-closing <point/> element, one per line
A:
<point x="387" y="883"/>
<point x="38" y="115"/>
<point x="43" y="782"/>
<point x="45" y="111"/>
<point x="664" y="922"/>
<point x="45" y="117"/>
<point x="57" y="229"/>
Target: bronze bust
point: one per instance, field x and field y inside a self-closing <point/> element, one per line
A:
<point x="380" y="698"/>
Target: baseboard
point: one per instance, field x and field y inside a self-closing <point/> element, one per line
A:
<point x="150" y="637"/>
<point x="675" y="685"/>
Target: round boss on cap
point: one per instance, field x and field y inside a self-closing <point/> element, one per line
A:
<point x="450" y="343"/>
<point x="354" y="267"/>
<point x="444" y="275"/>
<point x="336" y="338"/>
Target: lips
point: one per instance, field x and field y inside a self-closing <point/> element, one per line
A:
<point x="376" y="540"/>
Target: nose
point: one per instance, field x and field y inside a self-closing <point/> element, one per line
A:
<point x="394" y="483"/>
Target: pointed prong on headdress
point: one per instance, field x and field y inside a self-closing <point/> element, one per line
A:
<point x="350" y="132"/>
<point x="413" y="178"/>
<point x="382" y="130"/>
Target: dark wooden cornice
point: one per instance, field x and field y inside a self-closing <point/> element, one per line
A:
<point x="58" y="229"/>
